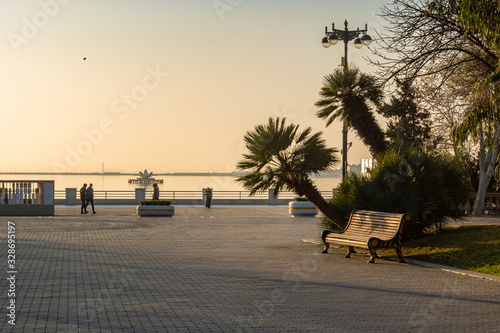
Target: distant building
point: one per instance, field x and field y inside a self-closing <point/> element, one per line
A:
<point x="367" y="164"/>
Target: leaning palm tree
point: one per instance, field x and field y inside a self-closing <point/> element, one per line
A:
<point x="280" y="156"/>
<point x="345" y="95"/>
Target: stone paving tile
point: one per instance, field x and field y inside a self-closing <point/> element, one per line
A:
<point x="222" y="270"/>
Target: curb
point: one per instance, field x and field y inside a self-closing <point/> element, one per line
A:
<point x="454" y="270"/>
<point x="436" y="266"/>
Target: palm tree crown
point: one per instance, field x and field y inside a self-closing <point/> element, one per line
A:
<point x="279" y="156"/>
<point x="345" y="94"/>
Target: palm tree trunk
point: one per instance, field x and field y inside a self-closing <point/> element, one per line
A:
<point x="364" y="123"/>
<point x="310" y="191"/>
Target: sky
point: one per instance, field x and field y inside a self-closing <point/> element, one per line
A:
<point x="164" y="85"/>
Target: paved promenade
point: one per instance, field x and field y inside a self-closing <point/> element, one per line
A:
<point x="224" y="269"/>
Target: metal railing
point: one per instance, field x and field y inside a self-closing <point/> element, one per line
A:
<point x="491" y="204"/>
<point x="195" y="195"/>
<point x="26" y="192"/>
<point x="491" y="201"/>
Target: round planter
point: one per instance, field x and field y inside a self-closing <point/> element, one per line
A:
<point x="148" y="210"/>
<point x="302" y="209"/>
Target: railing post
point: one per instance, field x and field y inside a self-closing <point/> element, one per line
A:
<point x="70" y="194"/>
<point x="486" y="204"/>
<point x="48" y="193"/>
<point x="270" y="196"/>
<point x="140" y="194"/>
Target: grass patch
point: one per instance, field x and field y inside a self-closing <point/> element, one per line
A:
<point x="475" y="248"/>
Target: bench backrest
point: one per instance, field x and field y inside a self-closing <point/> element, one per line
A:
<point x="376" y="224"/>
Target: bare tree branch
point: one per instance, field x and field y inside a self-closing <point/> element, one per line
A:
<point x="422" y="41"/>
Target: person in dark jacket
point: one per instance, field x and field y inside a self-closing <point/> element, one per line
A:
<point x="208" y="197"/>
<point x="90" y="197"/>
<point x="156" y="192"/>
<point x="83" y="198"/>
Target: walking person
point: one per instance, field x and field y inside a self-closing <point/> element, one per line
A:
<point x="156" y="192"/>
<point x="83" y="198"/>
<point x="90" y="197"/>
<point x="208" y="197"/>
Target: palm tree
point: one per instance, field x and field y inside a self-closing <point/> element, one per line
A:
<point x="279" y="156"/>
<point x="345" y="94"/>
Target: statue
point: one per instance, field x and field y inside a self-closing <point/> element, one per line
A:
<point x="145" y="178"/>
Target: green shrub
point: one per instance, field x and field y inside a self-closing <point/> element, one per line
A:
<point x="155" y="202"/>
<point x="300" y="199"/>
<point x="431" y="187"/>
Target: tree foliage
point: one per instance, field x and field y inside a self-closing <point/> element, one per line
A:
<point x="454" y="40"/>
<point x="446" y="106"/>
<point x="481" y="17"/>
<point x="430" y="187"/>
<point x="407" y="121"/>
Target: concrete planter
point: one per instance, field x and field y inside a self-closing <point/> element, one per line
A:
<point x="149" y="210"/>
<point x="302" y="209"/>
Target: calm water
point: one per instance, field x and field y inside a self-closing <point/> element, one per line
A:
<point x="170" y="183"/>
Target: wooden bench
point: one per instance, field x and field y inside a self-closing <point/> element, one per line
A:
<point x="369" y="230"/>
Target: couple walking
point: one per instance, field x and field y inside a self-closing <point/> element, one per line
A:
<point x="87" y="196"/>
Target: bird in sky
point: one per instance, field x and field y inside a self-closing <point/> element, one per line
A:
<point x="84" y="59"/>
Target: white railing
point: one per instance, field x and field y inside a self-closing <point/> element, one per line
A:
<point x="19" y="193"/>
<point x="491" y="204"/>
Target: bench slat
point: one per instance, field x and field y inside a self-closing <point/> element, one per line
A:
<point x="379" y="216"/>
<point x="371" y="216"/>
<point x="374" y="213"/>
<point x="363" y="238"/>
<point x="376" y="222"/>
<point x="371" y="233"/>
<point x="372" y="229"/>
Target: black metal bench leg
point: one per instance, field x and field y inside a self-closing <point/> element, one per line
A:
<point x="400" y="255"/>
<point x="325" y="249"/>
<point x="351" y="250"/>
<point x="323" y="237"/>
<point x="373" y="255"/>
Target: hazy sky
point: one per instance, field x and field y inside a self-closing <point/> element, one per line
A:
<point x="166" y="85"/>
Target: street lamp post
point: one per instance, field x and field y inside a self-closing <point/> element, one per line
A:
<point x="332" y="38"/>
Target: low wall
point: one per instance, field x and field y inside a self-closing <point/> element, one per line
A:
<point x="26" y="210"/>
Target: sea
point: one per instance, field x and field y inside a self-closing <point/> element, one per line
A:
<point x="120" y="182"/>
